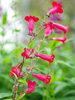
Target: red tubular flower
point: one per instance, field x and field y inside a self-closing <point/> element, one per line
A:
<point x="31" y="87"/>
<point x="48" y="29"/>
<point x="44" y="78"/>
<point x="31" y="20"/>
<point x="27" y="52"/>
<point x="57" y="8"/>
<point x="17" y="71"/>
<point x="46" y="57"/>
<point x="61" y="27"/>
<point x="62" y="39"/>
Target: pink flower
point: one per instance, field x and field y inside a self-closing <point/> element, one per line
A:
<point x="61" y="27"/>
<point x="17" y="71"/>
<point x="62" y="39"/>
<point x="48" y="29"/>
<point x="31" y="20"/>
<point x="46" y="57"/>
<point x="44" y="78"/>
<point x="27" y="52"/>
<point x="57" y="8"/>
<point x="31" y="87"/>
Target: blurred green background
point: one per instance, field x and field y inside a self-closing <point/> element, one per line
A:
<point x="62" y="70"/>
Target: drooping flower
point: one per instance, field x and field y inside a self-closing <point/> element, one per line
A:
<point x="62" y="39"/>
<point x="46" y="57"/>
<point x="44" y="78"/>
<point x="48" y="29"/>
<point x="31" y="20"/>
<point x="57" y="8"/>
<point x="17" y="71"/>
<point x="27" y="52"/>
<point x="61" y="27"/>
<point x="31" y="87"/>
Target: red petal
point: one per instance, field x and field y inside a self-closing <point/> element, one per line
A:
<point x="29" y="81"/>
<point x="52" y="27"/>
<point x="35" y="19"/>
<point x="13" y="69"/>
<point x="60" y="10"/>
<point x="34" y="83"/>
<point x="22" y="54"/>
<point x="18" y="68"/>
<point x="46" y="24"/>
<point x="27" y="18"/>
<point x="11" y="74"/>
<point x="54" y="3"/>
<point x="60" y="5"/>
<point x="24" y="49"/>
<point x="28" y="91"/>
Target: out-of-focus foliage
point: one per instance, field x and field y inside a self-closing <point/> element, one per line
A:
<point x="62" y="70"/>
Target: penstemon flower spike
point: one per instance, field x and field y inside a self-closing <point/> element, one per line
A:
<point x="30" y="53"/>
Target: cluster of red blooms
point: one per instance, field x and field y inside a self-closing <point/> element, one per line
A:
<point x="27" y="53"/>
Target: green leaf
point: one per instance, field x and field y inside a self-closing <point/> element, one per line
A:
<point x="71" y="80"/>
<point x="4" y="21"/>
<point x="3" y="33"/>
<point x="69" y="92"/>
<point x="22" y="80"/>
<point x="67" y="98"/>
<point x="31" y="44"/>
<point x="15" y="15"/>
<point x="2" y="95"/>
<point x="38" y="69"/>
<point x="16" y="30"/>
<point x="7" y="99"/>
<point x="21" y="96"/>
<point x="62" y="62"/>
<point x="15" y="76"/>
<point x="60" y="87"/>
<point x="17" y="3"/>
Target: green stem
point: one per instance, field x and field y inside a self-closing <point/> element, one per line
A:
<point x="47" y="98"/>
